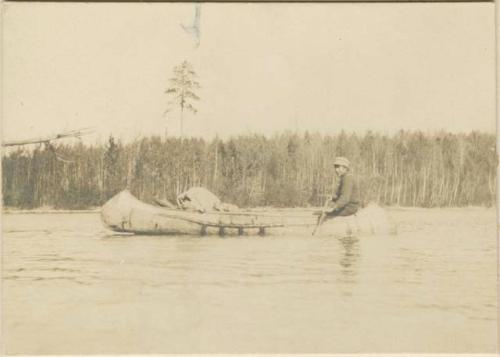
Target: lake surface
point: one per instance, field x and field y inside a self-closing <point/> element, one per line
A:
<point x="71" y="287"/>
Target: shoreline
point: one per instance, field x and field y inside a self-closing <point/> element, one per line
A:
<point x="48" y="211"/>
<point x="11" y="210"/>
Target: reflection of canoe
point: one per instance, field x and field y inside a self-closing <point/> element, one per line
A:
<point x="125" y="213"/>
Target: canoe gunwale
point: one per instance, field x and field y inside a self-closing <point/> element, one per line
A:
<point x="220" y="224"/>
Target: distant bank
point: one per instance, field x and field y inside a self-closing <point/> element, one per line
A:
<point x="43" y="210"/>
<point x="412" y="169"/>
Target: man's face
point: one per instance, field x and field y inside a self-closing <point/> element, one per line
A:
<point x="340" y="170"/>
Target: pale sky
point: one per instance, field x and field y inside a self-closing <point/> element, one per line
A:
<point x="263" y="67"/>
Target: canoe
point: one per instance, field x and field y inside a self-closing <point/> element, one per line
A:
<point x="126" y="214"/>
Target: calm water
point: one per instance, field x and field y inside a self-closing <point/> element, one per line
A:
<point x="71" y="287"/>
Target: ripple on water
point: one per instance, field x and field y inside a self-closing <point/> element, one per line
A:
<point x="433" y="283"/>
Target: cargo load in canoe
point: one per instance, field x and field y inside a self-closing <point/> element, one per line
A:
<point x="125" y="213"/>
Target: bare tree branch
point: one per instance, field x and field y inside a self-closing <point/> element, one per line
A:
<point x="46" y="139"/>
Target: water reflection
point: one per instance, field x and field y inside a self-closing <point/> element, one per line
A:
<point x="180" y="294"/>
<point x="348" y="259"/>
<point x="350" y="256"/>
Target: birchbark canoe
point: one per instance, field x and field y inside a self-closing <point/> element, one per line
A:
<point x="125" y="213"/>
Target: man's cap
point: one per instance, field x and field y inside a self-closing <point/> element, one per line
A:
<point x="341" y="161"/>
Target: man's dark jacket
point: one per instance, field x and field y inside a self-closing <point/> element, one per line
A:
<point x="346" y="194"/>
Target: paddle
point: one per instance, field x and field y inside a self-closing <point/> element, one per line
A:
<point x="322" y="217"/>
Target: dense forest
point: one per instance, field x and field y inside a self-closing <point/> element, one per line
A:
<point x="285" y="170"/>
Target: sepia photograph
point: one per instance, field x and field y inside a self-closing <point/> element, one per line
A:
<point x="248" y="178"/>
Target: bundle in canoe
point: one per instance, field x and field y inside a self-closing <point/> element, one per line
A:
<point x="125" y="213"/>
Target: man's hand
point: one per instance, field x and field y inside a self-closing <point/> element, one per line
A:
<point x="329" y="206"/>
<point x="330" y="209"/>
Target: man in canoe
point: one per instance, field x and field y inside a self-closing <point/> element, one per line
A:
<point x="345" y="198"/>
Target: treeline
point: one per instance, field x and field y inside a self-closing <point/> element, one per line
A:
<point x="286" y="170"/>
